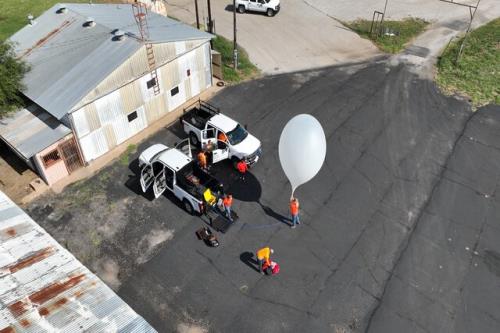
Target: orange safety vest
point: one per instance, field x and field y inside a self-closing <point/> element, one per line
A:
<point x="294" y="207"/>
<point x="264" y="253"/>
<point x="222" y="137"/>
<point x="228" y="201"/>
<point x="202" y="158"/>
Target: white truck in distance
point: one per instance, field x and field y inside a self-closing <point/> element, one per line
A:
<point x="270" y="7"/>
<point x="169" y="168"/>
<point x="204" y="124"/>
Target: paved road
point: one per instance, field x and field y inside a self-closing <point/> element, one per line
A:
<point x="447" y="277"/>
<point x="431" y="10"/>
<point x="407" y="169"/>
<point x="299" y="37"/>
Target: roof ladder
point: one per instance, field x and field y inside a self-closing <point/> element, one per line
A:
<point x="140" y="12"/>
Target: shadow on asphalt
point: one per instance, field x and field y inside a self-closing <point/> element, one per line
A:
<point x="177" y="130"/>
<point x="248" y="259"/>
<point x="271" y="213"/>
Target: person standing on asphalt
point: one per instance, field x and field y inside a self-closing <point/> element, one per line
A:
<point x="264" y="255"/>
<point x="228" y="202"/>
<point x="202" y="160"/>
<point x="294" y="211"/>
<point x="242" y="169"/>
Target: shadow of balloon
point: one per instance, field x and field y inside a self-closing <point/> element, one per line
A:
<point x="247" y="189"/>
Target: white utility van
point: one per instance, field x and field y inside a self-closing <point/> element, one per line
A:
<point x="270" y="7"/>
<point x="204" y="124"/>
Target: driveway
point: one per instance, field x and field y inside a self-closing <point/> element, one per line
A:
<point x="404" y="174"/>
<point x="307" y="34"/>
<point x="299" y="37"/>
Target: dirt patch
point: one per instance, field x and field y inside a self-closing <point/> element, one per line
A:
<point x="109" y="272"/>
<point x="190" y="328"/>
<point x="152" y="241"/>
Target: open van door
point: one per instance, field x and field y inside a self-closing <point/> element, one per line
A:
<point x="185" y="147"/>
<point x="160" y="182"/>
<point x="208" y="135"/>
<point x="221" y="153"/>
<point x="147" y="177"/>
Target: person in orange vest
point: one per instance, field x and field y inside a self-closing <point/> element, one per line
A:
<point x="202" y="160"/>
<point x="222" y="137"/>
<point x="228" y="202"/>
<point x="294" y="211"/>
<point x="242" y="169"/>
<point x="264" y="255"/>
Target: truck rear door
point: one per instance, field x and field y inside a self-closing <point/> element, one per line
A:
<point x="147" y="177"/>
<point x="221" y="153"/>
<point x="164" y="179"/>
<point x="208" y="135"/>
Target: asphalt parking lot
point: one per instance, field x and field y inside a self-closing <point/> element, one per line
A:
<point x="407" y="169"/>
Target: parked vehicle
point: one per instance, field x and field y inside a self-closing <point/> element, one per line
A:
<point x="270" y="7"/>
<point x="170" y="169"/>
<point x="205" y="124"/>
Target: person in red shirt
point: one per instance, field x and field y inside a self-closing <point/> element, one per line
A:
<point x="228" y="202"/>
<point x="294" y="211"/>
<point x="242" y="169"/>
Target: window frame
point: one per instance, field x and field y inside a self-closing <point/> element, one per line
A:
<point x="150" y="85"/>
<point x="172" y="94"/>
<point x="133" y="117"/>
<point x="47" y="163"/>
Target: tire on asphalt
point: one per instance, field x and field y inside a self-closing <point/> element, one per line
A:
<point x="270" y="12"/>
<point x="241" y="9"/>
<point x="188" y="207"/>
<point x="194" y="140"/>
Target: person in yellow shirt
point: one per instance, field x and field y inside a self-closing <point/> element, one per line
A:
<point x="264" y="255"/>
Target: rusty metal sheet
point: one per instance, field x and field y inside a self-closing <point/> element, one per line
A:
<point x="44" y="288"/>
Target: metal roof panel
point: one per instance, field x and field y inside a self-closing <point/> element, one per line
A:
<point x="43" y="288"/>
<point x="31" y="130"/>
<point x="68" y="59"/>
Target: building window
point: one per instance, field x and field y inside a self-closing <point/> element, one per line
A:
<point x="51" y="158"/>
<point x="132" y="116"/>
<point x="188" y="72"/>
<point x="174" y="91"/>
<point x="151" y="83"/>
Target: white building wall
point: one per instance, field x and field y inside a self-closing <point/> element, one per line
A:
<point x="106" y="122"/>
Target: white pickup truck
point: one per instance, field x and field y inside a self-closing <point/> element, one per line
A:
<point x="270" y="7"/>
<point x="205" y="125"/>
<point x="169" y="168"/>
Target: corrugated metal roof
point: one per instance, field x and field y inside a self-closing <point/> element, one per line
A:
<point x="68" y="59"/>
<point x="44" y="288"/>
<point x="31" y="130"/>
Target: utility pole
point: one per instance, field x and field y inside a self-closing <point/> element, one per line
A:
<point x="210" y="23"/>
<point x="197" y="15"/>
<point x="235" y="45"/>
<point x="472" y="15"/>
<point x="383" y="15"/>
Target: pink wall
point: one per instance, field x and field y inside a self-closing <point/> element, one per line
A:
<point x="54" y="172"/>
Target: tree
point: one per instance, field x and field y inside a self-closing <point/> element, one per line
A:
<point x="12" y="71"/>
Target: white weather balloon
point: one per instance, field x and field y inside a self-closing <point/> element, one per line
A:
<point x="302" y="149"/>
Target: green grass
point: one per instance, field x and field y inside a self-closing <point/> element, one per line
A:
<point x="405" y="31"/>
<point x="125" y="157"/>
<point x="477" y="73"/>
<point x="13" y="15"/>
<point x="246" y="69"/>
